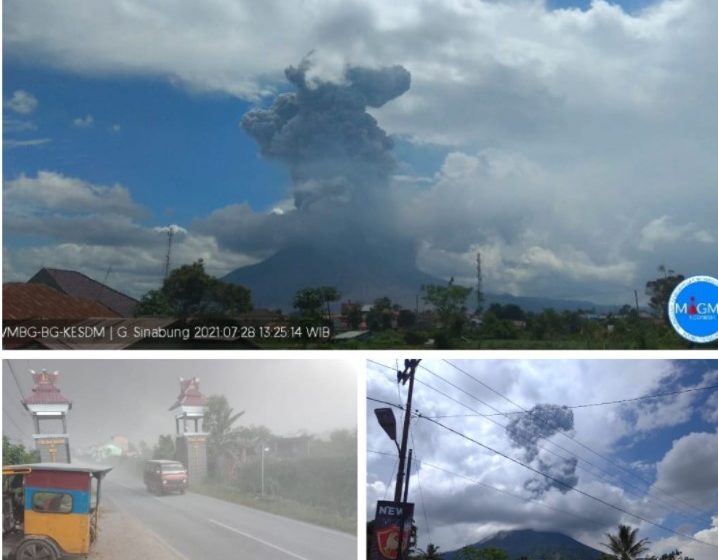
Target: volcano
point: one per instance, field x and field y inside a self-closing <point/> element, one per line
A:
<point x="361" y="272"/>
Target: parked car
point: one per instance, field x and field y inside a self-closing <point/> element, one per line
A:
<point x="162" y="476"/>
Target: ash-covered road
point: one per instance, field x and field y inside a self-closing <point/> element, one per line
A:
<point x="198" y="527"/>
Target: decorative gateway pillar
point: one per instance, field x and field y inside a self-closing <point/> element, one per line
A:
<point x="49" y="408"/>
<point x="191" y="441"/>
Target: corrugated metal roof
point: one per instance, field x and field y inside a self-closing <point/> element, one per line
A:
<point x="22" y="302"/>
<point x="77" y="284"/>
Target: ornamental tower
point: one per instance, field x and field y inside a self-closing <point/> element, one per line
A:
<point x="49" y="408"/>
<point x="191" y="441"/>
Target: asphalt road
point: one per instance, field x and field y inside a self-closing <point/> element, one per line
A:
<point x="198" y="527"/>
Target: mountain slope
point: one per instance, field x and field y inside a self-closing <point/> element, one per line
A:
<point x="535" y="545"/>
<point x="362" y="272"/>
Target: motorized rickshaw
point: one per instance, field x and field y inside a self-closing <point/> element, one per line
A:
<point x="50" y="509"/>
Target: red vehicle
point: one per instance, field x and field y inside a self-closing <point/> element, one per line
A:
<point x="162" y="476"/>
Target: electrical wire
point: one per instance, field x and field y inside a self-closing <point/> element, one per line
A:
<point x="581" y="444"/>
<point x="568" y="486"/>
<point x="587" y="405"/>
<point x="562" y="483"/>
<point x="628" y="486"/>
<point x="501" y="490"/>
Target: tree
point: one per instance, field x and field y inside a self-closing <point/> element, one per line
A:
<point x="310" y="302"/>
<point x="17" y="454"/>
<point x="190" y="291"/>
<point x="165" y="448"/>
<point x="659" y="291"/>
<point x="431" y="553"/>
<point x="490" y="553"/>
<point x="673" y="555"/>
<point x="353" y="315"/>
<point x="406" y="319"/>
<point x="625" y="545"/>
<point x="450" y="304"/>
<point x="379" y="318"/>
<point x="223" y="436"/>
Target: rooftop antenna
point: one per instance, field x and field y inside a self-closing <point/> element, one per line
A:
<point x="107" y="274"/>
<point x="170" y="235"/>
<point x="479" y="290"/>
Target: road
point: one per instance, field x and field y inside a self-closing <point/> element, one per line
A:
<point x="198" y="527"/>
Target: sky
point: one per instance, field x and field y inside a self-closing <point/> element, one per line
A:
<point x="133" y="397"/>
<point x="670" y="445"/>
<point x="570" y="142"/>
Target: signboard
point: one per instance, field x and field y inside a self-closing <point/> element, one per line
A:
<point x="387" y="524"/>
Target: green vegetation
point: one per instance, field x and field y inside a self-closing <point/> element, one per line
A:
<point x="165" y="448"/>
<point x="314" y="482"/>
<point x="17" y="454"/>
<point x="491" y="553"/>
<point x="189" y="291"/>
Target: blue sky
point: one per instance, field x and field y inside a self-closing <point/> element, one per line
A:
<point x="564" y="147"/>
<point x="181" y="154"/>
<point x="660" y="441"/>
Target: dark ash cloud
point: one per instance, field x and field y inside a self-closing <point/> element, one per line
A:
<point x="542" y="422"/>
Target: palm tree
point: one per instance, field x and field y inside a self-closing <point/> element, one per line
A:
<point x="624" y="545"/>
<point x="432" y="552"/>
<point x="223" y="436"/>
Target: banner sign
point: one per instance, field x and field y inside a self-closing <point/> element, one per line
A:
<point x="387" y="525"/>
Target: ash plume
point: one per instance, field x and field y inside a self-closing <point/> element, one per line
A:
<point x="340" y="162"/>
<point x="334" y="149"/>
<point x="542" y="422"/>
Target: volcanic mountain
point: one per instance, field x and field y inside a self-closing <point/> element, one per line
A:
<point x="534" y="545"/>
<point x="361" y="273"/>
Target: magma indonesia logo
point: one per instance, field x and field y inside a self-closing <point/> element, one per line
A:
<point x="693" y="309"/>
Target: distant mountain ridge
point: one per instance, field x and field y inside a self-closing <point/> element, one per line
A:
<point x="534" y="545"/>
<point x="362" y="273"/>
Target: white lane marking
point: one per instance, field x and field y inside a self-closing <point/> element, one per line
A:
<point x="265" y="543"/>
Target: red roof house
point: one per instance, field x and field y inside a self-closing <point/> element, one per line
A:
<point x="77" y="284"/>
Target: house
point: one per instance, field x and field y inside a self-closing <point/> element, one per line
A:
<point x="32" y="302"/>
<point x="76" y="284"/>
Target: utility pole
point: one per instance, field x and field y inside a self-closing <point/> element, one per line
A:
<point x="401" y="485"/>
<point x="170" y="235"/>
<point x="479" y="283"/>
<point x="408" y="373"/>
<point x="635" y="296"/>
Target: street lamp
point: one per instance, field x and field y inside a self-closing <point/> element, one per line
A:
<point x="387" y="421"/>
<point x="262" y="468"/>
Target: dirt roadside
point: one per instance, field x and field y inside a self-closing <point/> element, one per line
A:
<point x="122" y="538"/>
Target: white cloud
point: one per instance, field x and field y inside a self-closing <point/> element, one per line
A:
<point x="460" y="511"/>
<point x="89" y="228"/>
<point x="660" y="231"/>
<point x="677" y="473"/>
<point x="691" y="549"/>
<point x="582" y="144"/>
<point x="9" y="144"/>
<point x="710" y="409"/>
<point x="49" y="191"/>
<point x="22" y="102"/>
<point x="84" y="122"/>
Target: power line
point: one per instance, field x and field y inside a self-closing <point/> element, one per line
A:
<point x="499" y="490"/>
<point x="587" y="405"/>
<point x="639" y="492"/>
<point x="421" y="492"/>
<point x="566" y="485"/>
<point x="19" y="428"/>
<point x="17" y="382"/>
<point x="581" y="444"/>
